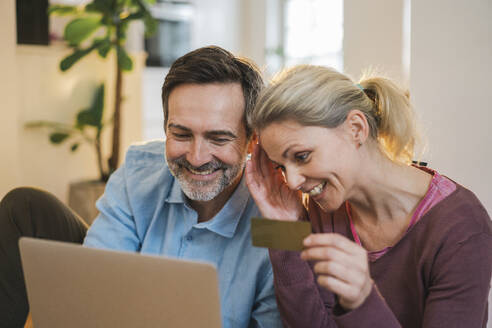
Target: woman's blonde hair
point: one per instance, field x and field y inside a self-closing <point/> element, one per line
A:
<point x="321" y="96"/>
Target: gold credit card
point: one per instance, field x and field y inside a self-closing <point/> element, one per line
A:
<point x="286" y="235"/>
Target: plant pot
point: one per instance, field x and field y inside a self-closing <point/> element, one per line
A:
<point x="82" y="197"/>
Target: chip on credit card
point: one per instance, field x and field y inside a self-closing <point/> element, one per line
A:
<point x="284" y="235"/>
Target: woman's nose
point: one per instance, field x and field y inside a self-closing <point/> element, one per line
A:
<point x="293" y="178"/>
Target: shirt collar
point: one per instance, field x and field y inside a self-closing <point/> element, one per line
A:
<point x="226" y="221"/>
<point x="176" y="194"/>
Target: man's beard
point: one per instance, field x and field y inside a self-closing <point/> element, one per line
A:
<point x="204" y="190"/>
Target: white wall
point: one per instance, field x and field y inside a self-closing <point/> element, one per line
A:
<point x="373" y="37"/>
<point x="253" y="30"/>
<point x="450" y="72"/>
<point x="217" y="22"/>
<point x="9" y="171"/>
<point x="236" y="25"/>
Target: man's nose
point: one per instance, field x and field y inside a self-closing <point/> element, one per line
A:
<point x="293" y="178"/>
<point x="199" y="153"/>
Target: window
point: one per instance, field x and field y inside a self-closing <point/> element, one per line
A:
<point x="312" y="33"/>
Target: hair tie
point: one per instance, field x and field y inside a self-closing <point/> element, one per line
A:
<point x="371" y="94"/>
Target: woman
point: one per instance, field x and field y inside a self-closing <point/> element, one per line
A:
<point x="393" y="244"/>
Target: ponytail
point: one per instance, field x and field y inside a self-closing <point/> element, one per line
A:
<point x="394" y="116"/>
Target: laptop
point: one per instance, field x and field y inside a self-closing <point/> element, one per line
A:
<point x="69" y="285"/>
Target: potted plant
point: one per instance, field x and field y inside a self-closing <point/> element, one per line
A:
<point x="100" y="26"/>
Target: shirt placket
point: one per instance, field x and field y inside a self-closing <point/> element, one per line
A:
<point x="186" y="244"/>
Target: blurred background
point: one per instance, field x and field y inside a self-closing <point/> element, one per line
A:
<point x="441" y="50"/>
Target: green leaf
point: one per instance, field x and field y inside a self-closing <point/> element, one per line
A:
<point x="70" y="60"/>
<point x="74" y="147"/>
<point x="38" y="124"/>
<point x="104" y="47"/>
<point x="149" y="22"/>
<point x="86" y="117"/>
<point x="47" y="124"/>
<point x="80" y="29"/>
<point x="122" y="31"/>
<point x="125" y="63"/>
<point x="134" y="16"/>
<point x="143" y="2"/>
<point x="58" y="137"/>
<point x="62" y="10"/>
<point x="98" y="104"/>
<point x="102" y="6"/>
<point x="150" y="25"/>
<point x="92" y="116"/>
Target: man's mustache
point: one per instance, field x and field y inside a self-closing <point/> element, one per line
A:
<point x="215" y="164"/>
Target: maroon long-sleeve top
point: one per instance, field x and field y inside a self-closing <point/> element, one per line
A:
<point x="437" y="275"/>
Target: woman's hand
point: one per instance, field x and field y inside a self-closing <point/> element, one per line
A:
<point x="266" y="184"/>
<point x="342" y="267"/>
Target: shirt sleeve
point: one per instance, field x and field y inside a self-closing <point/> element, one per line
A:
<point x="265" y="312"/>
<point x="303" y="303"/>
<point x="373" y="312"/>
<point x="114" y="227"/>
<point x="298" y="295"/>
<point x="460" y="284"/>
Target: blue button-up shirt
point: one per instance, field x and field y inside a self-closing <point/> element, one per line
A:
<point x="143" y="209"/>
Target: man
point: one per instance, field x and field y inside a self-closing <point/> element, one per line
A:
<point x="186" y="197"/>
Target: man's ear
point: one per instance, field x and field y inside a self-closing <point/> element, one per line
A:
<point x="253" y="141"/>
<point x="357" y="126"/>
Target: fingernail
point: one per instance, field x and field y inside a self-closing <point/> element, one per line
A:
<point x="307" y="241"/>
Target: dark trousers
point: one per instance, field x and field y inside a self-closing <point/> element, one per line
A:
<point x="33" y="213"/>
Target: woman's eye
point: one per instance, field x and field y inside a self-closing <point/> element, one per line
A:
<point x="280" y="167"/>
<point x="302" y="157"/>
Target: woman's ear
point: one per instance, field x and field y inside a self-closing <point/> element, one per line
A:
<point x="253" y="141"/>
<point x="357" y="126"/>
